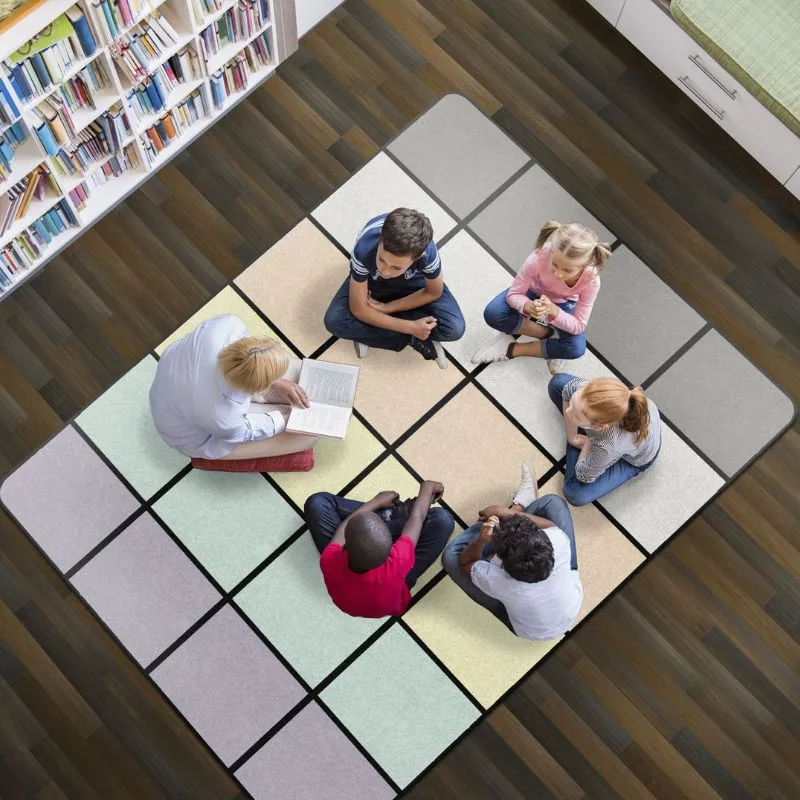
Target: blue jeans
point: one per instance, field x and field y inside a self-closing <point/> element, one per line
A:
<point x="550" y="506"/>
<point x="324" y="512"/>
<point x="340" y="321"/>
<point x="500" y="316"/>
<point x="577" y="492"/>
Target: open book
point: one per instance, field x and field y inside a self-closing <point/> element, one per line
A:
<point x="331" y="388"/>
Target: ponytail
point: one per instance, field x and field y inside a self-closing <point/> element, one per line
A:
<point x="600" y="254"/>
<point x="637" y="419"/>
<point x="548" y="229"/>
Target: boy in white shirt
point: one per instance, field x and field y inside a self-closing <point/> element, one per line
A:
<point x="520" y="563"/>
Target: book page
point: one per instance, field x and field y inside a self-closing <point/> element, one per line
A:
<point x="331" y="384"/>
<point x="321" y="420"/>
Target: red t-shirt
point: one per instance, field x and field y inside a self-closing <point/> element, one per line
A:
<point x="380" y="592"/>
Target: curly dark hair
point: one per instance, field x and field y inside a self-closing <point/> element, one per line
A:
<point x="525" y="550"/>
<point x="367" y="540"/>
<point x="406" y="232"/>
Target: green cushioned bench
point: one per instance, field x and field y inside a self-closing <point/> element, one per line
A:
<point x="757" y="41"/>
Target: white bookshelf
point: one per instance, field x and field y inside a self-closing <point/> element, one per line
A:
<point x="189" y="25"/>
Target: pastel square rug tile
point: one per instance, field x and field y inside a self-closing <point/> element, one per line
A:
<point x="229" y="521"/>
<point x="310" y="758"/>
<point x="637" y="321"/>
<point x="726" y="406"/>
<point x="399" y="705"/>
<point x="145" y="589"/>
<point x="511" y="222"/>
<point x="458" y="153"/>
<point x="85" y="501"/>
<point x="394" y="389"/>
<point x="378" y="187"/>
<point x="474" y="277"/>
<point x="228" y="684"/>
<point x="226" y="301"/>
<point x="294" y="282"/>
<point x="653" y="505"/>
<point x="474" y="451"/>
<point x="120" y="424"/>
<point x="606" y="557"/>
<point x="289" y="604"/>
<point x="336" y="463"/>
<point x="472" y="643"/>
<point x="520" y="386"/>
<point x="391" y="475"/>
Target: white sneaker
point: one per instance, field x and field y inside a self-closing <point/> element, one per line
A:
<point x="361" y="349"/>
<point x="441" y="358"/>
<point x="527" y="491"/>
<point x="555" y="365"/>
<point x="495" y="350"/>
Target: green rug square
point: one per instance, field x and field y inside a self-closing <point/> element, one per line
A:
<point x="402" y="708"/>
<point x="290" y="605"/>
<point x="120" y="424"/>
<point x="230" y="521"/>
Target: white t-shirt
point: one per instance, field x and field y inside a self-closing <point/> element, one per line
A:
<point x="543" y="610"/>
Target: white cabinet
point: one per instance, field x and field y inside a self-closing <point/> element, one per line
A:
<point x="610" y="9"/>
<point x="310" y="12"/>
<point x="722" y="97"/>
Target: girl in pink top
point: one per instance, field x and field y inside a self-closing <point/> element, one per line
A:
<point x="550" y="300"/>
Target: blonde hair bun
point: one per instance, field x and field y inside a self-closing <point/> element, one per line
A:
<point x="251" y="364"/>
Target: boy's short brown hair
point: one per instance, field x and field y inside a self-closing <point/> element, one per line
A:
<point x="406" y="232"/>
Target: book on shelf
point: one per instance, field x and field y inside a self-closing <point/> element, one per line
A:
<point x="235" y="25"/>
<point x="113" y="167"/>
<point x="9" y="111"/>
<point x="15" y="202"/>
<point x="20" y="254"/>
<point x="173" y="123"/>
<point x="114" y="17"/>
<point x="44" y="61"/>
<point x="52" y="123"/>
<point x="331" y="388"/>
<point x="150" y="96"/>
<point x="136" y="51"/>
<point x="10" y="139"/>
<point x="233" y="76"/>
<point x="201" y="9"/>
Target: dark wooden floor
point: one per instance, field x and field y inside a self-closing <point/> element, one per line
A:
<point x="686" y="685"/>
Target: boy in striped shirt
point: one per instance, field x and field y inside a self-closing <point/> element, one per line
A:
<point x="395" y="295"/>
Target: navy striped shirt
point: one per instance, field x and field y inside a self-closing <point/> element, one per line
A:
<point x="363" y="263"/>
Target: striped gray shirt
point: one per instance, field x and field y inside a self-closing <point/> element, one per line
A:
<point x="612" y="443"/>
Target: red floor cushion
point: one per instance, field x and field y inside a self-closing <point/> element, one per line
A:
<point x="293" y="462"/>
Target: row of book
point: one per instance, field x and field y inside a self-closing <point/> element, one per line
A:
<point x="235" y="25"/>
<point x="114" y="17"/>
<point x="202" y="8"/>
<point x="14" y="203"/>
<point x="92" y="145"/>
<point x="136" y="51"/>
<point x="150" y="96"/>
<point x="112" y="168"/>
<point x="10" y="139"/>
<point x="44" y="61"/>
<point x="233" y="77"/>
<point x="172" y="124"/>
<point x="22" y="252"/>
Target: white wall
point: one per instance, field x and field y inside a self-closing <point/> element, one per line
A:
<point x="310" y="12"/>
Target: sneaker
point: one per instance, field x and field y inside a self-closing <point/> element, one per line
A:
<point x="555" y="365"/>
<point x="527" y="491"/>
<point x="430" y="350"/>
<point x="361" y="349"/>
<point x="496" y="350"/>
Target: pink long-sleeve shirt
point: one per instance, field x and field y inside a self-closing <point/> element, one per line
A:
<point x="537" y="276"/>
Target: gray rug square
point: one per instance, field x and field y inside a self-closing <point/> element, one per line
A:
<point x="311" y="758"/>
<point x="145" y="589"/>
<point x="510" y="224"/>
<point x="228" y="684"/>
<point x="638" y="322"/>
<point x="720" y="401"/>
<point x="458" y="154"/>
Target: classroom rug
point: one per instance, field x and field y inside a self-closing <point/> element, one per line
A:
<point x="211" y="582"/>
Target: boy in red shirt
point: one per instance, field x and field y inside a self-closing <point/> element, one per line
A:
<point x="373" y="553"/>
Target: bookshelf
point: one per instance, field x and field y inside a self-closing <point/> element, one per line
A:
<point x="98" y="122"/>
